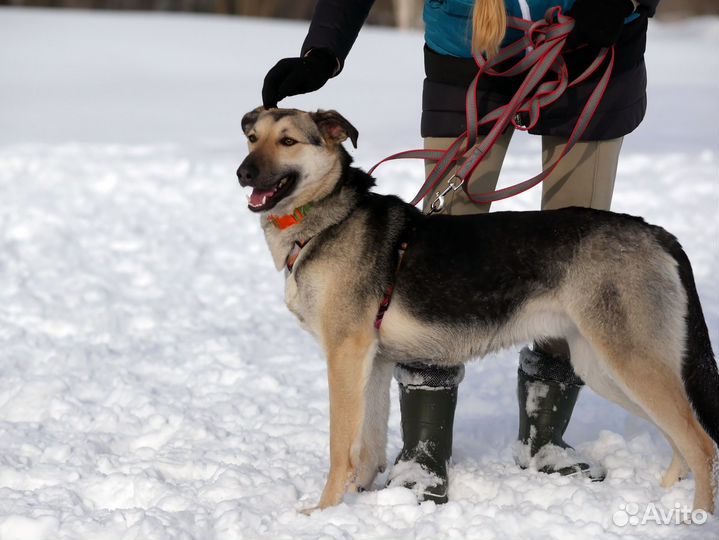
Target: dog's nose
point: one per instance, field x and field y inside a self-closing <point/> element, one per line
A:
<point x="246" y="173"/>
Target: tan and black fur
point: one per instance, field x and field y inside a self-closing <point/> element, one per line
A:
<point x="619" y="290"/>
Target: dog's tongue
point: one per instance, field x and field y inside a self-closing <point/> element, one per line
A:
<point x="259" y="195"/>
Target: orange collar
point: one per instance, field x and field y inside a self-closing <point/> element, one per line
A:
<point x="290" y="220"/>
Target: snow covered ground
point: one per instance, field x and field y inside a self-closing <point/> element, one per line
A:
<point x="152" y="383"/>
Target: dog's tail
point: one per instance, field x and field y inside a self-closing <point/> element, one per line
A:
<point x="699" y="368"/>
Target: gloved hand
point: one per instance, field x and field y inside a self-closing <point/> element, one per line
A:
<point x="292" y="76"/>
<point x="599" y="22"/>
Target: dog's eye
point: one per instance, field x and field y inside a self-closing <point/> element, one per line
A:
<point x="287" y="141"/>
<point x="252" y="138"/>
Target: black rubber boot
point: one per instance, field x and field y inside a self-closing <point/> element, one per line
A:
<point x="547" y="390"/>
<point x="427" y="399"/>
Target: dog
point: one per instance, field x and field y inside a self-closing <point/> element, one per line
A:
<point x="378" y="282"/>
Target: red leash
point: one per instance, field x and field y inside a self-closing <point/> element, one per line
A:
<point x="543" y="42"/>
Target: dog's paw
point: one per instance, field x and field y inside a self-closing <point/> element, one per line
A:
<point x="366" y="472"/>
<point x="333" y="493"/>
<point x="371" y="462"/>
<point x="310" y="510"/>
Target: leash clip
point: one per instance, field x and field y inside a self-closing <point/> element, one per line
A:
<point x="438" y="203"/>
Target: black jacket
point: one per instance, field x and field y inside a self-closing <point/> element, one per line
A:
<point x="336" y="24"/>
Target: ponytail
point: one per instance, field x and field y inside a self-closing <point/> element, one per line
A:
<point x="489" y="23"/>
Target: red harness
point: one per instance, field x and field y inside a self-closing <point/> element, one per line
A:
<point x="294" y="253"/>
<point x="289" y="220"/>
<point x="387" y="298"/>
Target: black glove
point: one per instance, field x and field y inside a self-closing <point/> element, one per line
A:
<point x="599" y="22"/>
<point x="292" y="76"/>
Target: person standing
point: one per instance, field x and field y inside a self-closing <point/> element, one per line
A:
<point x="547" y="386"/>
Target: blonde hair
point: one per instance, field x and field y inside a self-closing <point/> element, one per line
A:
<point x="489" y="23"/>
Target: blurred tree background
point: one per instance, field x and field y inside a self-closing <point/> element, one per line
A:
<point x="402" y="13"/>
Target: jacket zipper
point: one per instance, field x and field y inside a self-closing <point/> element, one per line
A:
<point x="526" y="13"/>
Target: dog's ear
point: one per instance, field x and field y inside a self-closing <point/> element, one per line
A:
<point x="248" y="121"/>
<point x="335" y="127"/>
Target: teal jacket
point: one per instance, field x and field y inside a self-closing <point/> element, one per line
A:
<point x="449" y="67"/>
<point x="448" y="23"/>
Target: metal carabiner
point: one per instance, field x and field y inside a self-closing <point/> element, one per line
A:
<point x="437" y="204"/>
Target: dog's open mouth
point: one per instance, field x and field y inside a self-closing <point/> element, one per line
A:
<point x="264" y="199"/>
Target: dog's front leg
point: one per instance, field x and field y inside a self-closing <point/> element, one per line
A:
<point x="373" y="452"/>
<point x="349" y="362"/>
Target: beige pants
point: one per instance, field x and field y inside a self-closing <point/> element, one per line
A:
<point x="584" y="177"/>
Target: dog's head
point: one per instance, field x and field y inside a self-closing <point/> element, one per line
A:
<point x="293" y="155"/>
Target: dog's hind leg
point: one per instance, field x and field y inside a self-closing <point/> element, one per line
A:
<point x="651" y="384"/>
<point x="593" y="371"/>
<point x="677" y="470"/>
<point x="590" y="368"/>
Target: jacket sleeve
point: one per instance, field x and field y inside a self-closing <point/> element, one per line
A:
<point x="335" y="26"/>
<point x="648" y="7"/>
